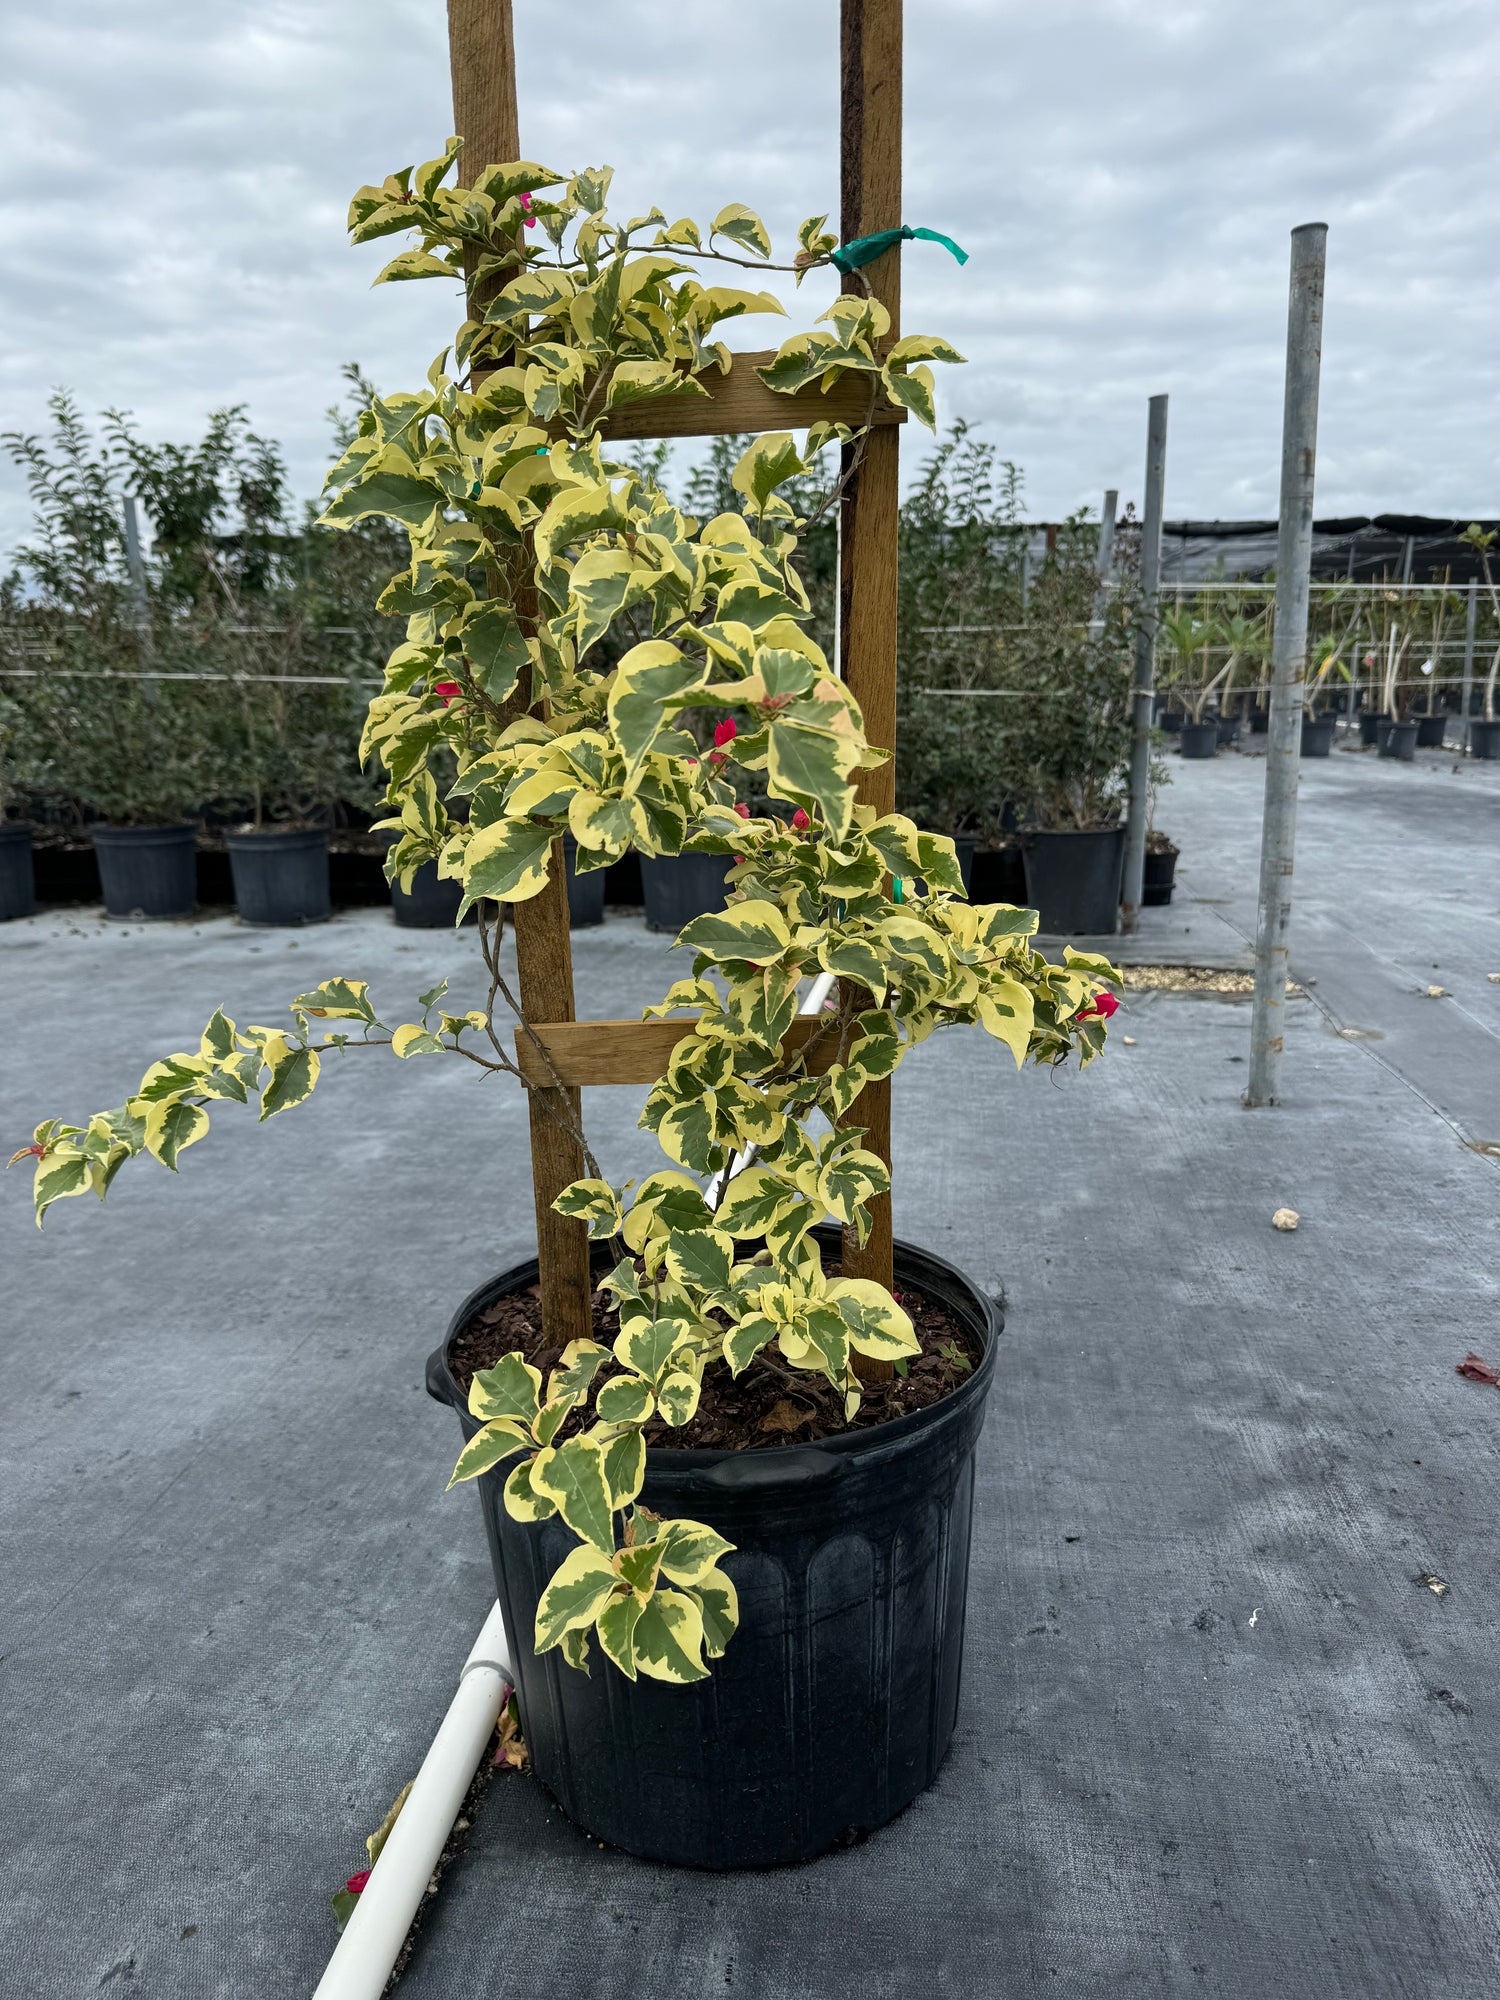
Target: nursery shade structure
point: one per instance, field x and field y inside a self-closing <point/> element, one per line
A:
<point x="559" y="1054"/>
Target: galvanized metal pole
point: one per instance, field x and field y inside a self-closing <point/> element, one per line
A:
<point x="1471" y="630"/>
<point x="1104" y="561"/>
<point x="1145" y="665"/>
<point x="1278" y="840"/>
<point x="137" y="569"/>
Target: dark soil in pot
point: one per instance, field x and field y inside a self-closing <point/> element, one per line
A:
<point x="1430" y="731"/>
<point x="1400" y="742"/>
<point x="1200" y="739"/>
<point x="1073" y="880"/>
<point x="17" y="873"/>
<point x="1160" y="873"/>
<point x="1317" y="736"/>
<point x="679" y="887"/>
<point x="147" y="871"/>
<point x="280" y="875"/>
<point x="834" y="1704"/>
<point x="1484" y="739"/>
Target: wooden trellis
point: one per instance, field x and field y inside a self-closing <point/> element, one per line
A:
<point x="582" y="1054"/>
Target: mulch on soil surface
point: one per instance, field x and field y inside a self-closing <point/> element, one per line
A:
<point x="768" y="1405"/>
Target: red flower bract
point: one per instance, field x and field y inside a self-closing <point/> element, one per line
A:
<point x="446" y="690"/>
<point x="1102" y="1005"/>
<point x="357" y="1881"/>
<point x="800" y="820"/>
<point x="740" y="807"/>
<point x="725" y="733"/>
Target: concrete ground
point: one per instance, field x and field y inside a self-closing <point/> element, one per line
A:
<point x="1215" y="1738"/>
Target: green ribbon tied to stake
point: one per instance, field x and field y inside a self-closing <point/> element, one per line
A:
<point x="865" y="249"/>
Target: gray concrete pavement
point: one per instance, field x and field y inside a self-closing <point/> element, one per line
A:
<point x="1214" y="1740"/>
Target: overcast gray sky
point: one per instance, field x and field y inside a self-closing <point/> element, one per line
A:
<point x="1124" y="174"/>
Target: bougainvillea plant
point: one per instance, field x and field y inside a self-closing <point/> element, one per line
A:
<point x="530" y="548"/>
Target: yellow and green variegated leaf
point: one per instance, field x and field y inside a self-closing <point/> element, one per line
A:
<point x="754" y="932"/>
<point x="508" y="861"/>
<point x="847" y="1182"/>
<point x="743" y="1342"/>
<point x="594" y="1202"/>
<point x="719" y="1606"/>
<point x="616" y="1628"/>
<point x="494" y="646"/>
<point x="334" y="1000"/>
<point x="677" y="1398"/>
<point x="523" y="1500"/>
<point x="1006" y="1011"/>
<point x="292" y="1078"/>
<point x="390" y="495"/>
<point x="626" y="1399"/>
<point x="689" y="1549"/>
<point x="753" y="1201"/>
<point x="573" y="1477"/>
<point x="647" y="683"/>
<point x="581" y="1586"/>
<point x="217" y="1042"/>
<point x="743" y="226"/>
<point x="812" y="767"/>
<point x="170" y="1077"/>
<point x="58" y="1177"/>
<point x="634" y="380"/>
<point x="575" y="1648"/>
<point x="638" y="1565"/>
<point x="512" y="1388"/>
<point x="647" y="1345"/>
<point x="768" y="463"/>
<point x="820" y="1340"/>
<point x="668" y="1639"/>
<point x="604" y="583"/>
<point x="574" y="513"/>
<point x="877" y="1325"/>
<point x="662" y="1202"/>
<point x="921" y="347"/>
<point x="413" y="1040"/>
<point x="553" y="1415"/>
<point x="577" y="1365"/>
<point x="600" y="824"/>
<point x="857" y="959"/>
<point x="408" y="264"/>
<point x="686" y="1133"/>
<point x="487" y="1448"/>
<point x="913" y="392"/>
<point x="700" y="1258"/>
<point x="172" y="1125"/>
<point x="625" y="1467"/>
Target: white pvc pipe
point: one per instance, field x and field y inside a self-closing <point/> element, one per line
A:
<point x="811" y="1003"/>
<point x="382" y="1916"/>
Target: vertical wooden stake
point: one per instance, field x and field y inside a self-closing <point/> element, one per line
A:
<point x="481" y="48"/>
<point x="870" y="161"/>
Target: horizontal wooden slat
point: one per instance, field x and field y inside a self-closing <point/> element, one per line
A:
<point x="740" y="401"/>
<point x="602" y="1052"/>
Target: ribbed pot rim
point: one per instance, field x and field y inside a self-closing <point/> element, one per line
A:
<point x="253" y="838"/>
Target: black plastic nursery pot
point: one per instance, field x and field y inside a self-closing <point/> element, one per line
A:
<point x="586" y="891"/>
<point x="834" y="1704"/>
<point x="998" y="875"/>
<point x="280" y="875"/>
<point x="430" y="904"/>
<point x="1317" y="736"/>
<point x="147" y="871"/>
<point x="965" y="845"/>
<point x="17" y="873"/>
<point x="1369" y="727"/>
<point x="1400" y="741"/>
<point x="1170" y="721"/>
<point x="1228" y="727"/>
<point x="1484" y="740"/>
<point x="1200" y="739"/>
<point x="1260" y="721"/>
<point x="1159" y="877"/>
<point x="1073" y="880"/>
<point x="679" y="887"/>
<point x="1430" y="731"/>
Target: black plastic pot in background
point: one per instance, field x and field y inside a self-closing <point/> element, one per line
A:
<point x="834" y="1703"/>
<point x="1400" y="741"/>
<point x="1484" y="739"/>
<point x="280" y="875"/>
<point x="1159" y="877"/>
<point x="147" y="871"/>
<point x="1171" y="721"/>
<point x="1260" y="721"/>
<point x="1317" y="735"/>
<point x="17" y="874"/>
<point x="998" y="875"/>
<point x="1073" y="880"/>
<point x="1200" y="739"/>
<point x="430" y="904"/>
<point x="1369" y="726"/>
<point x="679" y="887"/>
<point x="585" y="892"/>
<point x="1228" y="727"/>
<point x="965" y="846"/>
<point x="1430" y="731"/>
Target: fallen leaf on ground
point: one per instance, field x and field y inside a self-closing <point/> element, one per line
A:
<point x="1438" y="1585"/>
<point x="1437" y="992"/>
<point x="1474" y="1369"/>
<point x="1128" y="1040"/>
<point x="784" y="1416"/>
<point x="511" y="1753"/>
<point x="1285" y="1218"/>
<point x="1493" y="978"/>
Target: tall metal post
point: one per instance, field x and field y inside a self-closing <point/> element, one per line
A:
<point x="1145" y="665"/>
<point x="1471" y="631"/>
<point x="1278" y="840"/>
<point x="1104" y="562"/>
<point x="137" y="568"/>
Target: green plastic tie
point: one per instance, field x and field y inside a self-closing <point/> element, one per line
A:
<point x="865" y="249"/>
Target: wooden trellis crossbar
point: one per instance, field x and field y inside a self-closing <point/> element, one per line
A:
<point x="579" y="1054"/>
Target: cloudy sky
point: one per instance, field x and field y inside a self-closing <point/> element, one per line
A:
<point x="1124" y="174"/>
